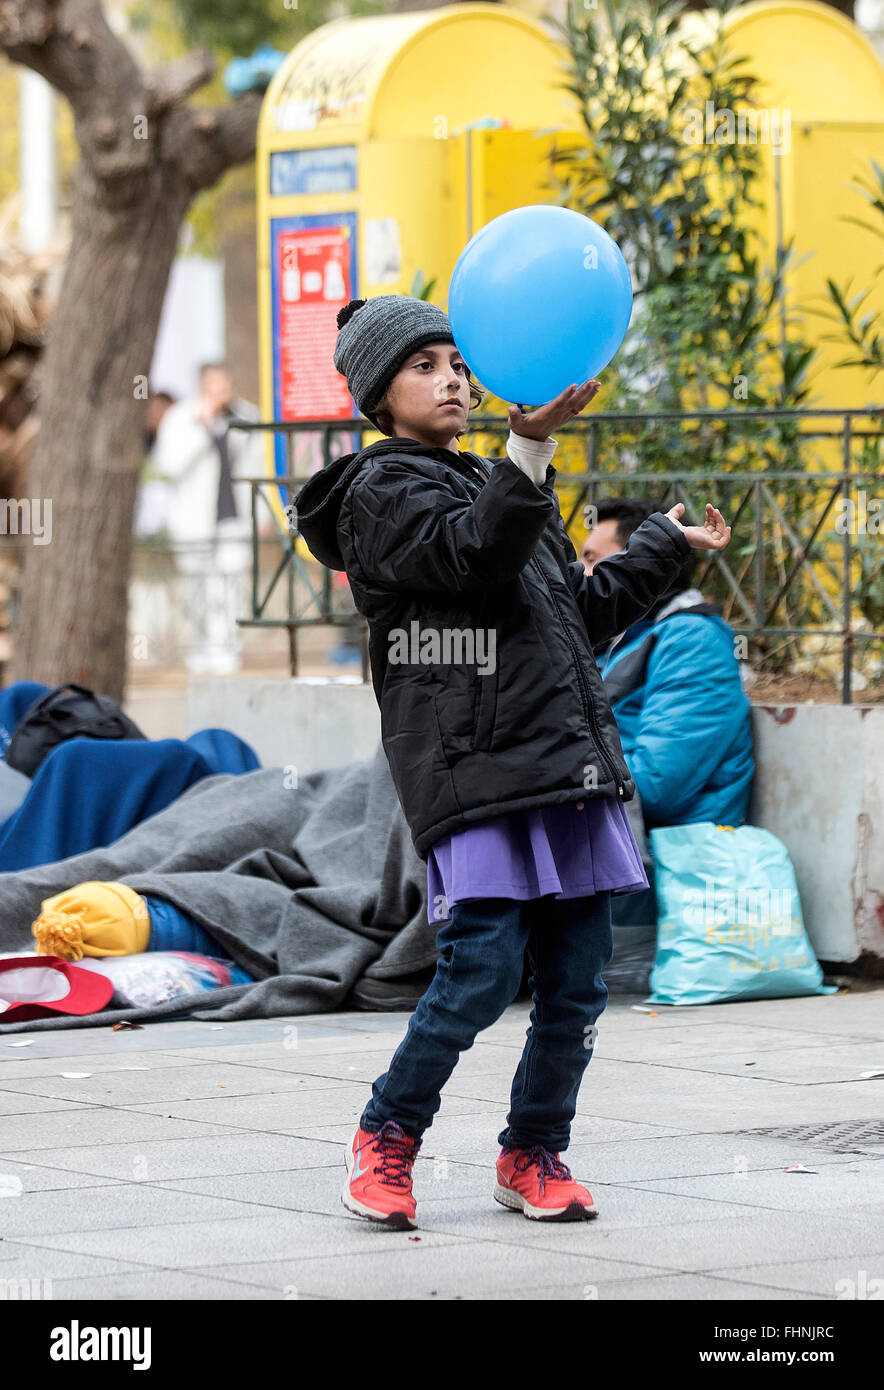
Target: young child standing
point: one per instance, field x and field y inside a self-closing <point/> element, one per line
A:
<point x="501" y="743"/>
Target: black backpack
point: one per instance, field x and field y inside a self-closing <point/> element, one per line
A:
<point x="68" y="711"/>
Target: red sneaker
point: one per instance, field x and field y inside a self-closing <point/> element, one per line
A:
<point x="537" y="1183"/>
<point x="378" y="1182"/>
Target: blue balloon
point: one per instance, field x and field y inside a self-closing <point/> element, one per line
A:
<point x="539" y="298"/>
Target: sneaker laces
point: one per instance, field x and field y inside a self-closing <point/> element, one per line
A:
<point x="396" y="1151"/>
<point x="549" y="1165"/>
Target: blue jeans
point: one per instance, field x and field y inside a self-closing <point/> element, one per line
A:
<point x="481" y="952"/>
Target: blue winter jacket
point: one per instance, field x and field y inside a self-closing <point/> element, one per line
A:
<point x="684" y="719"/>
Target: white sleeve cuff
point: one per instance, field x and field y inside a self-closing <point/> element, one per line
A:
<point x="531" y="455"/>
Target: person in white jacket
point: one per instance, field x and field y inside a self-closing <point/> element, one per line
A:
<point x="208" y="518"/>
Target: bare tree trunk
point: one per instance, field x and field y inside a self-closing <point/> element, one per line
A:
<point x="88" y="452"/>
<point x="145" y="153"/>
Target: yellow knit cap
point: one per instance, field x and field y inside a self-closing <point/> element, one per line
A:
<point x="93" y="919"/>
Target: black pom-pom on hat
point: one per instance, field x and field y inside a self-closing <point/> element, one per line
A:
<point x="346" y="314"/>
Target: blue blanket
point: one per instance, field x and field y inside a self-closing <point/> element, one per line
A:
<point x="88" y="792"/>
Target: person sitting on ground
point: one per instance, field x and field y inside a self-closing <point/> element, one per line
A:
<point x="675" y="689"/>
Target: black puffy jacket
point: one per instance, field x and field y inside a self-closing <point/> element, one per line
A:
<point x="437" y="542"/>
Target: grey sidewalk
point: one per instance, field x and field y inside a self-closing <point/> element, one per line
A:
<point x="205" y="1161"/>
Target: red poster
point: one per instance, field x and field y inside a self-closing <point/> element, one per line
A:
<point x="313" y="283"/>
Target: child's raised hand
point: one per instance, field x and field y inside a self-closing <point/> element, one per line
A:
<point x="712" y="535"/>
<point x="540" y="423"/>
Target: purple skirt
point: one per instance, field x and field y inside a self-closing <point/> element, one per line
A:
<point x="571" y="851"/>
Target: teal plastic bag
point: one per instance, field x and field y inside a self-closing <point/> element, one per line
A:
<point x="730" y="923"/>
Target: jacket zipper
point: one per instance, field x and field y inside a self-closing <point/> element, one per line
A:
<point x="586" y="698"/>
<point x="480" y="693"/>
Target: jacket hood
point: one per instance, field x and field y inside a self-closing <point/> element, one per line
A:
<point x="686" y="598"/>
<point x="684" y="601"/>
<point x="319" y="502"/>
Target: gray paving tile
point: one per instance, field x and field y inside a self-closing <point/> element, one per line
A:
<point x="839" y="1277"/>
<point x="23" y="1103"/>
<point x="856" y="1012"/>
<point x="453" y="1193"/>
<point x="649" y="1079"/>
<point x="167" y="1084"/>
<point x="313" y="1190"/>
<point x="260" y="1032"/>
<point x="653" y="1020"/>
<point x="221" y="1245"/>
<point x="131" y="1206"/>
<point x="492" y="1087"/>
<point x="85" y="1125"/>
<point x="845" y="1186"/>
<point x="737" y="1244"/>
<point x="687" y="1210"/>
<point x="478" y="1216"/>
<point x="363" y="1065"/>
<point x="556" y="1294"/>
<point x="804" y="1066"/>
<point x="665" y="1287"/>
<point x="721" y="1158"/>
<point x="358" y="1022"/>
<point x="341" y="1019"/>
<point x="471" y="1137"/>
<point x="288" y="1111"/>
<point x="487" y="1056"/>
<point x="89" y="1042"/>
<point x="319" y="1189"/>
<point x="26" y="1068"/>
<point x="150" y="1037"/>
<point x="701" y="1101"/>
<point x="23" y="1260"/>
<point x="40" y="1177"/>
<point x="468" y="1137"/>
<point x="644" y="1020"/>
<point x="428" y="1269"/>
<point x="495" y="1089"/>
<point x="742" y="1041"/>
<point x="159" y="1160"/>
<point x="163" y="1284"/>
<point x="277" y="1056"/>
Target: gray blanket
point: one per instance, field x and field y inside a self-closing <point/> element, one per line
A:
<point x="309" y="887"/>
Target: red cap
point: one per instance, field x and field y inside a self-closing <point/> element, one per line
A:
<point x="33" y="986"/>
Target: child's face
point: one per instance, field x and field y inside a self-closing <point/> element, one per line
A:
<point x="418" y="396"/>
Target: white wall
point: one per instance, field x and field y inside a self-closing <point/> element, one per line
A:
<point x="819" y="788"/>
<point x="819" y="784"/>
<point x="191" y="329"/>
<point x="306" y="722"/>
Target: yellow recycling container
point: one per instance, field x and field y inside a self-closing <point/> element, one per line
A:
<point x="819" y="122"/>
<point x="384" y="143"/>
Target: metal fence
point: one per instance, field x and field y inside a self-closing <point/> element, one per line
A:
<point x="180" y="595"/>
<point x="805" y="567"/>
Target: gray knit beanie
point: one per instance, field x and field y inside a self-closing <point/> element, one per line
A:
<point x="377" y="335"/>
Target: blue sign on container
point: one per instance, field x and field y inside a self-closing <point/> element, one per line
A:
<point x="329" y="170"/>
